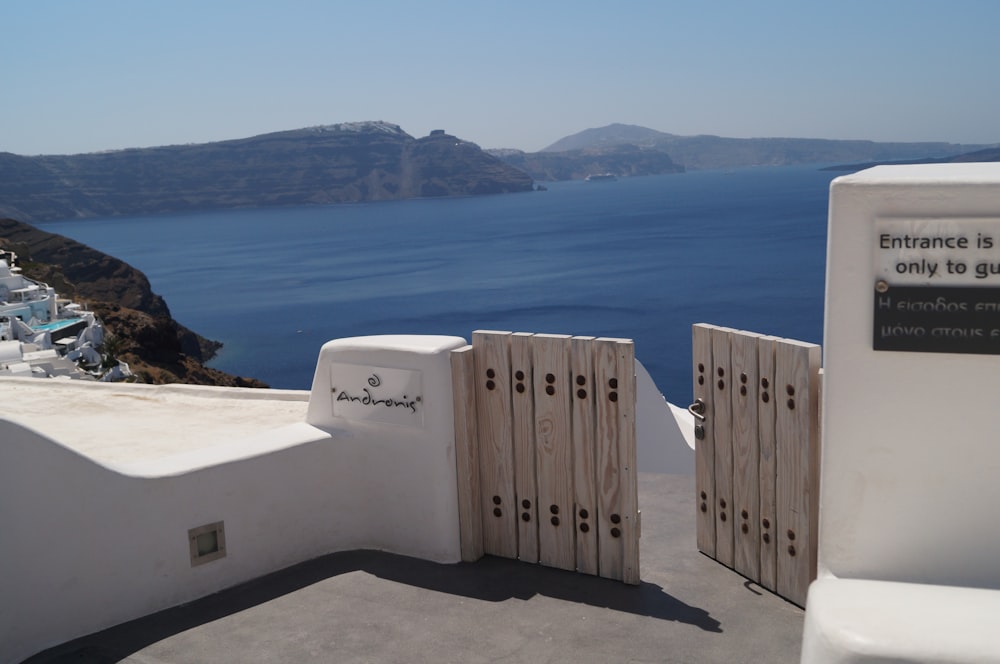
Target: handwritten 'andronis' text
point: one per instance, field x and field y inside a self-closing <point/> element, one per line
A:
<point x="366" y="398"/>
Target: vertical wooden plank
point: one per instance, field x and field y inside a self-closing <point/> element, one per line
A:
<point x="768" y="469"/>
<point x="609" y="480"/>
<point x="746" y="455"/>
<point x="584" y="468"/>
<point x="525" y="483"/>
<point x="463" y="370"/>
<point x="553" y="450"/>
<point x="815" y="469"/>
<point x="722" y="417"/>
<point x="496" y="458"/>
<point x="704" y="460"/>
<point x="618" y="516"/>
<point x="630" y="525"/>
<point x="796" y="441"/>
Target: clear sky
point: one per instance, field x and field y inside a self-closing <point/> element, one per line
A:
<point x="105" y="74"/>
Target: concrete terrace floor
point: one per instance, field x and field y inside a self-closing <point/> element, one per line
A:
<point x="369" y="606"/>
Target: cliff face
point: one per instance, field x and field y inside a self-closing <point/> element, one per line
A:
<point x="345" y="163"/>
<point x="157" y="348"/>
<point x="441" y="165"/>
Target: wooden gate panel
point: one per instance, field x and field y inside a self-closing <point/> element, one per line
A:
<point x="702" y="371"/>
<point x="553" y="423"/>
<point x="758" y="450"/>
<point x="525" y="482"/>
<point x="723" y="418"/>
<point x="616" y="484"/>
<point x="796" y="440"/>
<point x="627" y="452"/>
<point x="496" y="457"/>
<point x="553" y="450"/>
<point x="768" y="469"/>
<point x="584" y="452"/>
<point x="746" y="455"/>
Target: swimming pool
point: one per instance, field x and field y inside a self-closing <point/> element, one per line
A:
<point x="57" y="324"/>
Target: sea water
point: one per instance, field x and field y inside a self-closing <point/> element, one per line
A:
<point x="641" y="258"/>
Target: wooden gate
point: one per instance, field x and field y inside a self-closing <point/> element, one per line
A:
<point x="545" y="448"/>
<point x="757" y="455"/>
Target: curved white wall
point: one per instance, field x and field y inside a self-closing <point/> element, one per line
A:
<point x="86" y="546"/>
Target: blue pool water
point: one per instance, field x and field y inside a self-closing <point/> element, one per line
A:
<point x="55" y="325"/>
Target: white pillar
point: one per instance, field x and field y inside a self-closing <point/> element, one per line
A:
<point x="388" y="400"/>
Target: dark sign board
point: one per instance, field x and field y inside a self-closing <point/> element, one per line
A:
<point x="931" y="319"/>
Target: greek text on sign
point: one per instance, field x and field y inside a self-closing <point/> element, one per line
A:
<point x="377" y="394"/>
<point x="938" y="252"/>
<point x="932" y="319"/>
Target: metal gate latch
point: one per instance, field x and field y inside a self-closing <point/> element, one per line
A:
<point x="698" y="410"/>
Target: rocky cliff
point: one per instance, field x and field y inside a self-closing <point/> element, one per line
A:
<point x="343" y="163"/>
<point x="157" y="348"/>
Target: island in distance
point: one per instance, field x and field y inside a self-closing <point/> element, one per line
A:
<point x="622" y="150"/>
<point x="342" y="163"/>
<point x="375" y="161"/>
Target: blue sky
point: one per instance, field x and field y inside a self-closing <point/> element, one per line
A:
<point x="87" y="76"/>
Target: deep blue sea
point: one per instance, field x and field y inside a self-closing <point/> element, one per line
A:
<point x="642" y="258"/>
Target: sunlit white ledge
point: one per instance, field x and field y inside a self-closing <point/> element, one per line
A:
<point x="120" y="424"/>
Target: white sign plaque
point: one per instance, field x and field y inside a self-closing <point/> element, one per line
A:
<point x="937" y="285"/>
<point x="938" y="252"/>
<point x="377" y="394"/>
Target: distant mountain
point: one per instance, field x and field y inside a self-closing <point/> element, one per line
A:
<point x="620" y="160"/>
<point x="701" y="152"/>
<point x="613" y="134"/>
<point x="342" y="163"/>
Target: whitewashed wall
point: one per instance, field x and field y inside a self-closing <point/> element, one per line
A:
<point x="909" y="569"/>
<point x="86" y="546"/>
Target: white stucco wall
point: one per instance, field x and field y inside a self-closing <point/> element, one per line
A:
<point x="88" y="545"/>
<point x="94" y="528"/>
<point x="910" y="457"/>
<point x="664" y="432"/>
<point x="407" y="458"/>
<point x="908" y="553"/>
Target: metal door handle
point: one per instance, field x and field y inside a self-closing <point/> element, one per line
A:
<point x="698" y="410"/>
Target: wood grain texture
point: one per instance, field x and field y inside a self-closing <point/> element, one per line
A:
<point x="618" y="526"/>
<point x="554" y="451"/>
<point x="584" y="463"/>
<point x="796" y="444"/>
<point x="609" y="480"/>
<point x="631" y="527"/>
<point x="722" y="423"/>
<point x="746" y="455"/>
<point x="493" y="400"/>
<point x="701" y="369"/>
<point x="470" y="522"/>
<point x="554" y="419"/>
<point x="768" y="466"/>
<point x="525" y="482"/>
